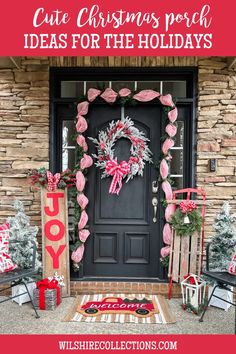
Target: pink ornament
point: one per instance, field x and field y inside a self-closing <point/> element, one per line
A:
<point x="80" y="181"/>
<point x="164" y="169"/>
<point x="83" y="235"/>
<point x="92" y="94"/>
<point x="86" y="162"/>
<point x="169" y="212"/>
<point x="167" y="234"/>
<point x="82" y="200"/>
<point x="77" y="255"/>
<point x="83" y="220"/>
<point x="82" y="142"/>
<point x="109" y="95"/>
<point x="167" y="100"/>
<point x="81" y="124"/>
<point x="167" y="145"/>
<point x="166" y="187"/>
<point x="165" y="251"/>
<point x="146" y="95"/>
<point x="171" y="130"/>
<point x="173" y="114"/>
<point x="82" y="108"/>
<point x="124" y="92"/>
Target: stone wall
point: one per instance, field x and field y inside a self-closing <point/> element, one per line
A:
<point x="24" y="121"/>
<point x="216" y="137"/>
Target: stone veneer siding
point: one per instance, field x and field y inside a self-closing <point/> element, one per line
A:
<point x="24" y="122"/>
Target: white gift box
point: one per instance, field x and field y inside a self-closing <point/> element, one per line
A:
<point x="223" y="294"/>
<point x="18" y="289"/>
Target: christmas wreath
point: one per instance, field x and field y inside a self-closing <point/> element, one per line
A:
<point x="106" y="160"/>
<point x="187" y="219"/>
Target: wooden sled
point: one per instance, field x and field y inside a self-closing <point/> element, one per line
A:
<point x="186" y="253"/>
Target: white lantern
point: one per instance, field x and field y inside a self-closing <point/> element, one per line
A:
<point x="193" y="290"/>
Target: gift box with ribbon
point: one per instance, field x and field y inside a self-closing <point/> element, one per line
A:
<point x="47" y="295"/>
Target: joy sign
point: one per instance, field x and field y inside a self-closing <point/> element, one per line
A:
<point x="55" y="235"/>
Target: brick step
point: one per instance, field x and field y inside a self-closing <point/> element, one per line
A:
<point x="92" y="287"/>
<point x="85" y="287"/>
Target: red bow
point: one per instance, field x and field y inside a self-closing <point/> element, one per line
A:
<point x="118" y="171"/>
<point x="191" y="279"/>
<point x="53" y="181"/>
<point x="45" y="284"/>
<point x="187" y="206"/>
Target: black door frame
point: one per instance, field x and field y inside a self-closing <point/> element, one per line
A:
<point x="123" y="74"/>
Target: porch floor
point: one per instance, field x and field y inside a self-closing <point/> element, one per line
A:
<point x="15" y="319"/>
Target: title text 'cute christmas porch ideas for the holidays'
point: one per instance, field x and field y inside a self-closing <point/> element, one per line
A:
<point x="92" y="18"/>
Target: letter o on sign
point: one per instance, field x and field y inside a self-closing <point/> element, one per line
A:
<point x="47" y="230"/>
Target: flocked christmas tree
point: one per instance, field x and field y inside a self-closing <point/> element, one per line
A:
<point x="224" y="240"/>
<point x="20" y="230"/>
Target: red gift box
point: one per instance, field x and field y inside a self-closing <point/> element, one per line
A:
<point x="47" y="295"/>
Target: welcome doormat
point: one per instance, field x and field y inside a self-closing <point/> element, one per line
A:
<point x="120" y="308"/>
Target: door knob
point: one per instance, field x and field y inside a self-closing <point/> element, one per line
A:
<point x="154" y="203"/>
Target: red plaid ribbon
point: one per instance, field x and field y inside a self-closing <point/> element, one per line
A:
<point x="118" y="171"/>
<point x="53" y="181"/>
<point x="187" y="206"/>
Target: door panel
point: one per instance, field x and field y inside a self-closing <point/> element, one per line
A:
<point x="105" y="247"/>
<point x="124" y="240"/>
<point x="137" y="247"/>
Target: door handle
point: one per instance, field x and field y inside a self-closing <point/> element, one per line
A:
<point x="154" y="203"/>
<point x="154" y="186"/>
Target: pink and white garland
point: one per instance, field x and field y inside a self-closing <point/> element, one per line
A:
<point x="171" y="131"/>
<point x="82" y="200"/>
<point x="110" y="96"/>
<point x="108" y="163"/>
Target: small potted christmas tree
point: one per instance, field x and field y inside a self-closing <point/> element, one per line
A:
<point x="20" y="246"/>
<point x="221" y="251"/>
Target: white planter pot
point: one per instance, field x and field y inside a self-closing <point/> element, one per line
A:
<point x="18" y="289"/>
<point x="224" y="294"/>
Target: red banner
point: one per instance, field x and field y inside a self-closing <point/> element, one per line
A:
<point x="103" y="27"/>
<point x="53" y="344"/>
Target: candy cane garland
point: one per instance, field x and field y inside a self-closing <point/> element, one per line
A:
<point x="110" y="96"/>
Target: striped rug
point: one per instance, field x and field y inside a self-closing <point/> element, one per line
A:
<point x="161" y="312"/>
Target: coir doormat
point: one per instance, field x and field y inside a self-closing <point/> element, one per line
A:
<point x="120" y="308"/>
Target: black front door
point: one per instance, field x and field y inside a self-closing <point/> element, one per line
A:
<point x="124" y="240"/>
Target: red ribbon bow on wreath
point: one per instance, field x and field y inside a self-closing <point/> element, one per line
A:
<point x="53" y="181"/>
<point x="118" y="171"/>
<point x="187" y="206"/>
<point x="45" y="284"/>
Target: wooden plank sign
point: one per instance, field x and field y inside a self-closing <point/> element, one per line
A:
<point x="55" y="240"/>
